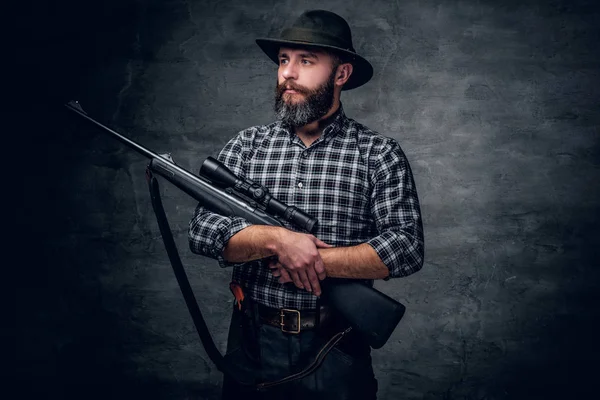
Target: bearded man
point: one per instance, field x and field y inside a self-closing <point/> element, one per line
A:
<point x="359" y="186"/>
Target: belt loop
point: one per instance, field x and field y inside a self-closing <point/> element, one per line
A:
<point x="255" y="316"/>
<point x="318" y="314"/>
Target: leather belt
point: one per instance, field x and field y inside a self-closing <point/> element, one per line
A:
<point x="293" y="321"/>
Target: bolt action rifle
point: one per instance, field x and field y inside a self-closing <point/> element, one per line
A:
<point x="372" y="313"/>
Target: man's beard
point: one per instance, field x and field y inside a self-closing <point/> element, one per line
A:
<point x="316" y="103"/>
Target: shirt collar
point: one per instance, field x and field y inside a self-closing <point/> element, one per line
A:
<point x="338" y="121"/>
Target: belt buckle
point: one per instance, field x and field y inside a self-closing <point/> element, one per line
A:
<point x="282" y="323"/>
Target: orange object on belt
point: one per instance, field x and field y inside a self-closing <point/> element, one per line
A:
<point x="238" y="293"/>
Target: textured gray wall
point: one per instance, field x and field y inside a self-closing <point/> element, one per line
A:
<point x="494" y="103"/>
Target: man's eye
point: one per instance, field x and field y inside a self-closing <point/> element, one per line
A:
<point x="282" y="61"/>
<point x="306" y="62"/>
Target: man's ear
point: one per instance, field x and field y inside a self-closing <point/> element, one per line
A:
<point x="343" y="73"/>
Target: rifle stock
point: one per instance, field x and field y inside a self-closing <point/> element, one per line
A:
<point x="369" y="311"/>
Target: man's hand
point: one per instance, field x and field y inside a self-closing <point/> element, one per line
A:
<point x="297" y="254"/>
<point x="298" y="260"/>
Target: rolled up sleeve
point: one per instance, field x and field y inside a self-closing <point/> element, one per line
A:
<point x="397" y="214"/>
<point x="208" y="232"/>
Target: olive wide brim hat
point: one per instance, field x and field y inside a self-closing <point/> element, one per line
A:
<point x="326" y="30"/>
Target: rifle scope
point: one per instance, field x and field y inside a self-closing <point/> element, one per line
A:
<point x="223" y="177"/>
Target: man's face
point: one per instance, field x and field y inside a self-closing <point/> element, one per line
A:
<point x="305" y="85"/>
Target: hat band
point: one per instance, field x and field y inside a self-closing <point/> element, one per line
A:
<point x="310" y="36"/>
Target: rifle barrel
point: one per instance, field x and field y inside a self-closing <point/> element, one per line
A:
<point x="193" y="185"/>
<point x="76" y="108"/>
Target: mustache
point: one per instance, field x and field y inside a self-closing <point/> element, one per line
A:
<point x="288" y="85"/>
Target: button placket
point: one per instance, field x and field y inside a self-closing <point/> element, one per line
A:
<point x="297" y="174"/>
<point x="302" y="168"/>
<point x="301" y="177"/>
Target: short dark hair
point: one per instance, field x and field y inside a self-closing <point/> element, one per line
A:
<point x="339" y="58"/>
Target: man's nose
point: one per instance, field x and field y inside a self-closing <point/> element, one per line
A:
<point x="289" y="71"/>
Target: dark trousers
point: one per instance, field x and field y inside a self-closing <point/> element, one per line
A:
<point x="345" y="374"/>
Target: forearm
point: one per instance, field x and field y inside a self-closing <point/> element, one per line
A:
<point x="355" y="262"/>
<point x="252" y="243"/>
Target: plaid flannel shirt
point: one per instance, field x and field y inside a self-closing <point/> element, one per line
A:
<point x="356" y="182"/>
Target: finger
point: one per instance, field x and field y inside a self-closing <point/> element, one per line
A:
<point x="314" y="281"/>
<point x="305" y="281"/>
<point x="320" y="269"/>
<point x="275" y="267"/>
<point x="285" y="276"/>
<point x="319" y="265"/>
<point x="296" y="279"/>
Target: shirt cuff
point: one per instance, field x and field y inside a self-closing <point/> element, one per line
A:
<point x="391" y="250"/>
<point x="227" y="231"/>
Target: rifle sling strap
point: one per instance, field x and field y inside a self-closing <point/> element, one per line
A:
<point x="211" y="349"/>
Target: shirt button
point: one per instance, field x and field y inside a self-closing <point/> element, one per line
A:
<point x="300" y="185"/>
<point x="305" y="154"/>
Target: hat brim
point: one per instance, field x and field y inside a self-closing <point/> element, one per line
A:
<point x="362" y="69"/>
